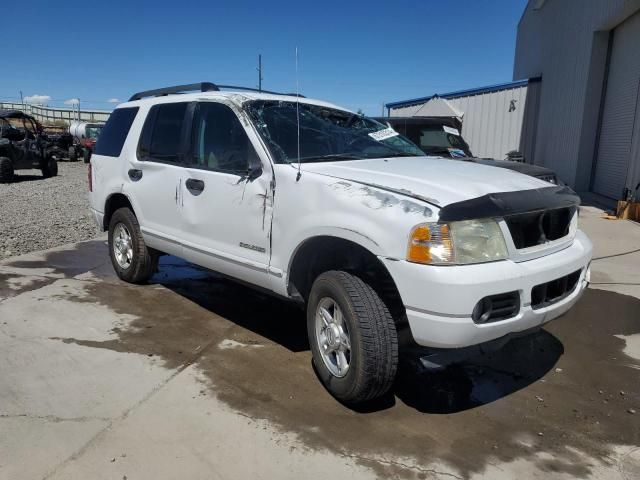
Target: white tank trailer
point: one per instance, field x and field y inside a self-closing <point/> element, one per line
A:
<point x="84" y="138"/>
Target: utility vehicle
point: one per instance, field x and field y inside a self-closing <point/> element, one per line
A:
<point x="23" y="145"/>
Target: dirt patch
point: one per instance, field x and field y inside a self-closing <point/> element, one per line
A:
<point x="556" y="392"/>
<point x="39" y="213"/>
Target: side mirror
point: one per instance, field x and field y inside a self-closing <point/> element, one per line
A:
<point x="255" y="167"/>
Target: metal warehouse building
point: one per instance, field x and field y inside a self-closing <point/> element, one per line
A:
<point x="493" y="117"/>
<point x="587" y="54"/>
<point x="574" y="105"/>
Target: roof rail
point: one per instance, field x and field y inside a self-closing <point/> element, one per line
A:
<point x="202" y="87"/>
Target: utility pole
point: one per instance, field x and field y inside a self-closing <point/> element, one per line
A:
<point x="259" y="72"/>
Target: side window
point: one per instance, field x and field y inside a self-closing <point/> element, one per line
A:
<point x="115" y="132"/>
<point x="162" y="133"/>
<point x="220" y="143"/>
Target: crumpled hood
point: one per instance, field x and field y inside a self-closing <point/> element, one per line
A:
<point x="439" y="181"/>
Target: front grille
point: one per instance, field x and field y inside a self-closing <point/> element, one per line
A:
<point x="497" y="307"/>
<point x="537" y="228"/>
<point x="551" y="292"/>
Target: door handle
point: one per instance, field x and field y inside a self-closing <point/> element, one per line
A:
<point x="135" y="174"/>
<point x="194" y="186"/>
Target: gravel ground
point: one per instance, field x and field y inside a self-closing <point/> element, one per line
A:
<point x="38" y="213"/>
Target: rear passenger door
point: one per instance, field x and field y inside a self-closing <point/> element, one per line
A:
<point x="155" y="175"/>
<point x="226" y="211"/>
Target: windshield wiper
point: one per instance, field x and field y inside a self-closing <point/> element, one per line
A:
<point x="400" y="154"/>
<point x="328" y="158"/>
<point x="436" y="151"/>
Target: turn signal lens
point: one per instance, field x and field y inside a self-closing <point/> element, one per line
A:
<point x="419" y="245"/>
<point x="430" y="243"/>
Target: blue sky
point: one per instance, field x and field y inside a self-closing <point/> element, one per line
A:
<point x="354" y="53"/>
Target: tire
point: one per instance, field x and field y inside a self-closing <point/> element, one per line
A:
<point x="373" y="353"/>
<point x="143" y="261"/>
<point x="86" y="155"/>
<point x="6" y="170"/>
<point x="73" y="154"/>
<point x="49" y="167"/>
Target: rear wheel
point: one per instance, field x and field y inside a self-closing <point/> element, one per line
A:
<point x="6" y="170"/>
<point x="73" y="154"/>
<point x="132" y="260"/>
<point x="353" y="338"/>
<point x="49" y="167"/>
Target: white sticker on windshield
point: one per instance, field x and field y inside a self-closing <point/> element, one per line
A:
<point x="452" y="131"/>
<point x="381" y="135"/>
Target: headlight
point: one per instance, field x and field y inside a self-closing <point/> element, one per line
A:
<point x="457" y="243"/>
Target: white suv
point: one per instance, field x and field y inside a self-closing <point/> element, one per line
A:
<point x="338" y="212"/>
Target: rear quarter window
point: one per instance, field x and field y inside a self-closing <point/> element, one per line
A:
<point x="115" y="132"/>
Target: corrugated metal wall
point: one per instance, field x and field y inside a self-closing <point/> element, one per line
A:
<point x="491" y="126"/>
<point x="563" y="42"/>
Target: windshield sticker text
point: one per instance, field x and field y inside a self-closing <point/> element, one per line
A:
<point x="381" y="135"/>
<point x="452" y="131"/>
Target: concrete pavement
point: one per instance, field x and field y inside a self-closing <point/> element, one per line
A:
<point x="194" y="376"/>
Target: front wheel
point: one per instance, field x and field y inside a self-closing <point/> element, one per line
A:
<point x="353" y="338"/>
<point x="49" y="167"/>
<point x="132" y="260"/>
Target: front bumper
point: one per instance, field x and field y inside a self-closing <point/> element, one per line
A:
<point x="439" y="300"/>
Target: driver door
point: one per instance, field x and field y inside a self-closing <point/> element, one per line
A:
<point x="226" y="212"/>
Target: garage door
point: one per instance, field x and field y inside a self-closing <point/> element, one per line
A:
<point x="620" y="111"/>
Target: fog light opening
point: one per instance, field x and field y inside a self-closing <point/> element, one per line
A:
<point x="496" y="307"/>
<point x="482" y="310"/>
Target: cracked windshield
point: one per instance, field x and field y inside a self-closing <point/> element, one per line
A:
<point x="326" y="134"/>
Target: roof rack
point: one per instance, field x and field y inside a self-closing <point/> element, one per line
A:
<point x="202" y="87"/>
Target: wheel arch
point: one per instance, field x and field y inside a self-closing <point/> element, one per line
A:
<point x="322" y="253"/>
<point x="114" y="202"/>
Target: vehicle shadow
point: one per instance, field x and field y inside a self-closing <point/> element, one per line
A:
<point x="17" y="178"/>
<point x="280" y="321"/>
<point x="480" y="380"/>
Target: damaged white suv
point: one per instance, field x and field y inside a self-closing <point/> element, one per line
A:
<point x="311" y="202"/>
